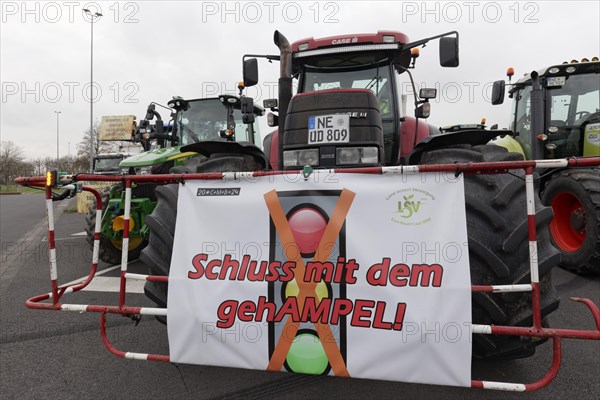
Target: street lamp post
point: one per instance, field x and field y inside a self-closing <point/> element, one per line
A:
<point x="57" y="136"/>
<point x="92" y="16"/>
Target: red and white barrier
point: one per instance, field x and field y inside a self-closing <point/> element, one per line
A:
<point x="556" y="334"/>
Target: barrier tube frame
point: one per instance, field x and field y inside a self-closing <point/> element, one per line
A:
<point x="536" y="330"/>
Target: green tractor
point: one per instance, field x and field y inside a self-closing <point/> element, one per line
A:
<point x="556" y="114"/>
<point x="195" y="121"/>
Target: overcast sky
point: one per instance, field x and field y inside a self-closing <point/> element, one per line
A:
<point x="152" y="50"/>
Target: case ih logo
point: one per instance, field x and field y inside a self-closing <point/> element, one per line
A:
<point x="357" y="114"/>
<point x="345" y="40"/>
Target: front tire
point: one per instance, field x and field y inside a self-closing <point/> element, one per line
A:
<point x="575" y="229"/>
<point x="110" y="250"/>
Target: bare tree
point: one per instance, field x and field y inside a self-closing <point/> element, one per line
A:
<point x="12" y="162"/>
<point x="82" y="163"/>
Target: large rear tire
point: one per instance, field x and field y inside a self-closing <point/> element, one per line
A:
<point x="575" y="198"/>
<point x="498" y="249"/>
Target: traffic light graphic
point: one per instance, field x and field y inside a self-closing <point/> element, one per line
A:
<point x="307" y="226"/>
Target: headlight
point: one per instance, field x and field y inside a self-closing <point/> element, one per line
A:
<point x="300" y="158"/>
<point x="357" y="155"/>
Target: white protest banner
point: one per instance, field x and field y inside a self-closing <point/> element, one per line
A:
<point x="348" y="274"/>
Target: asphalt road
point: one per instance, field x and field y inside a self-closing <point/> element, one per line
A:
<point x="49" y="354"/>
<point x="20" y="213"/>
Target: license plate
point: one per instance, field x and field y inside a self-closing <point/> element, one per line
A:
<point x="329" y="129"/>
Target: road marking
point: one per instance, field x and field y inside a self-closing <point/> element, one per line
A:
<point x="78" y="234"/>
<point x="112" y="284"/>
<point x="82" y="279"/>
<point x="45" y="238"/>
<point x="13" y="261"/>
<point x="108" y="284"/>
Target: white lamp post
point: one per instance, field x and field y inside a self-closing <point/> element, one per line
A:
<point x="92" y="16"/>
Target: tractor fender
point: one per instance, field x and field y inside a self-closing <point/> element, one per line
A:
<point x="473" y="137"/>
<point x="411" y="126"/>
<point x="210" y="147"/>
<point x="509" y="143"/>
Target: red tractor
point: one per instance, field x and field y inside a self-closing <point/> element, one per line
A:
<point x="347" y="114"/>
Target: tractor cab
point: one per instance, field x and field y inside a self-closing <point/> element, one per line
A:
<point x="215" y="119"/>
<point x="191" y="121"/>
<point x="108" y="163"/>
<point x="367" y="62"/>
<point x="569" y="110"/>
<point x="334" y="74"/>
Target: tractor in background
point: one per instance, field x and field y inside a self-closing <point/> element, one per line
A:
<point x="556" y="114"/>
<point x="108" y="163"/>
<point x="464" y="127"/>
<point x="347" y="114"/>
<point x="191" y="122"/>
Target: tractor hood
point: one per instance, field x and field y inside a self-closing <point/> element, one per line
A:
<point x="154" y="157"/>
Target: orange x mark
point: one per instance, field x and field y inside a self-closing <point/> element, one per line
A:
<point x="307" y="289"/>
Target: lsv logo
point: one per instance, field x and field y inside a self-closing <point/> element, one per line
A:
<point x="411" y="207"/>
<point x="408" y="207"/>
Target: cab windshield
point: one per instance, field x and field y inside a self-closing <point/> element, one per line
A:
<point x="571" y="108"/>
<point x="205" y="119"/>
<point x="572" y="103"/>
<point x="107" y="164"/>
<point x="374" y="77"/>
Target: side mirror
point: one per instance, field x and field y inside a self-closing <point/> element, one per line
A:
<point x="423" y="111"/>
<point x="270" y="103"/>
<point x="449" y="51"/>
<point x="150" y="112"/>
<point x="247" y="105"/>
<point x="272" y="120"/>
<point x="159" y="126"/>
<point x="428" y="93"/>
<point x="498" y="90"/>
<point x="250" y="72"/>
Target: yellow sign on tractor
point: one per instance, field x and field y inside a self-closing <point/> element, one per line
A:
<point x="117" y="127"/>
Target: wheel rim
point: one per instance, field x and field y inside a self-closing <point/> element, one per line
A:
<point x="568" y="225"/>
<point x="134" y="243"/>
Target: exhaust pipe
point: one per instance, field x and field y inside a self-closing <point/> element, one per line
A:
<point x="285" y="50"/>
<point x="285" y="86"/>
<point x="537" y="116"/>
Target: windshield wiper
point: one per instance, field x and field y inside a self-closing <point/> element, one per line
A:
<point x="372" y="82"/>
